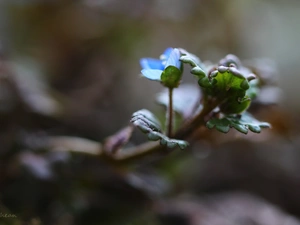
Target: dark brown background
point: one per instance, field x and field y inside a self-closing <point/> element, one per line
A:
<point x="72" y="68"/>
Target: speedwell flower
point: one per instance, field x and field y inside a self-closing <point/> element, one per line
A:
<point x="167" y="69"/>
<point x="151" y="63"/>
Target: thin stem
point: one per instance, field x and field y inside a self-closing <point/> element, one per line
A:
<point x="126" y="154"/>
<point x="150" y="147"/>
<point x="169" y="116"/>
<point x="137" y="151"/>
<point x="86" y="146"/>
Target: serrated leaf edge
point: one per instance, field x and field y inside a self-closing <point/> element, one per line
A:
<point x="255" y="127"/>
<point x="153" y="133"/>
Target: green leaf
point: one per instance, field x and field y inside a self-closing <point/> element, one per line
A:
<point x="228" y="83"/>
<point x="254" y="90"/>
<point x="171" y="143"/>
<point x="191" y="56"/>
<point x="171" y="77"/>
<point x="221" y="125"/>
<point x="149" y="124"/>
<point x="235" y="105"/>
<point x="241" y="123"/>
<point x="146" y="121"/>
<point x="185" y="99"/>
<point x="195" y="64"/>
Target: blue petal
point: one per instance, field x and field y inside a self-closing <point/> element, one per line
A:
<point x="173" y="59"/>
<point x="152" y="74"/>
<point x="149" y="63"/>
<point x="166" y="54"/>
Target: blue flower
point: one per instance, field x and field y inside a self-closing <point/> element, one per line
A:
<point x="150" y="63"/>
<point x="153" y="68"/>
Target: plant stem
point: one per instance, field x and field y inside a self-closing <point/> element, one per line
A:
<point x="137" y="151"/>
<point x="169" y="116"/>
<point x="81" y="145"/>
<point x="151" y="147"/>
<point x="193" y="124"/>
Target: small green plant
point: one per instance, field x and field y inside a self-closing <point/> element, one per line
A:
<point x="224" y="94"/>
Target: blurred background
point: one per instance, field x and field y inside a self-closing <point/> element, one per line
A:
<point x="71" y="68"/>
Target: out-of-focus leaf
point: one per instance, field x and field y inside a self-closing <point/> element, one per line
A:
<point x="113" y="143"/>
<point x="148" y="182"/>
<point x="253" y="90"/>
<point x="241" y="123"/>
<point x="74" y="144"/>
<point x="265" y="69"/>
<point x="185" y="99"/>
<point x="267" y="72"/>
<point x="8" y="97"/>
<point x="269" y="95"/>
<point x="34" y="89"/>
<point x="38" y="165"/>
<point x="149" y="124"/>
